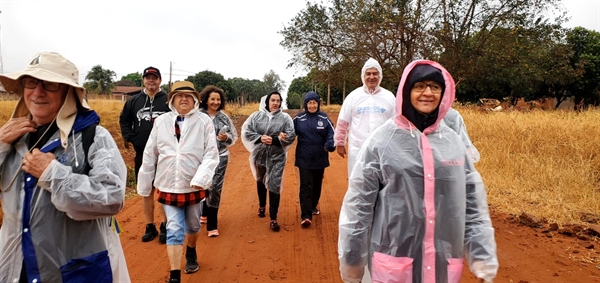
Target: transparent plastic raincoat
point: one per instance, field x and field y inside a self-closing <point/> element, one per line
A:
<point x="455" y="121"/>
<point x="416" y="206"/>
<point x="272" y="157"/>
<point x="71" y="228"/>
<point x="222" y="122"/>
<point x="362" y="112"/>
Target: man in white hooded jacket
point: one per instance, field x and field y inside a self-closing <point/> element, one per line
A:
<point x="366" y="108"/>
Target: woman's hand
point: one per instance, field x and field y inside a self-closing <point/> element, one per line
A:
<point x="222" y="137"/>
<point x="266" y="139"/>
<point x="282" y="136"/>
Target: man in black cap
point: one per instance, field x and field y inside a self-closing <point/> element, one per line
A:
<point x="137" y="119"/>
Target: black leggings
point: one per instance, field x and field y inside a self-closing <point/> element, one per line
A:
<point x="274" y="199"/>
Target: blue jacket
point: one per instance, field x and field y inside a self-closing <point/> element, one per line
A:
<point x="315" y="136"/>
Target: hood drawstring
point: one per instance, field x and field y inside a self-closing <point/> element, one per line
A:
<point x="74" y="150"/>
<point x="411" y="129"/>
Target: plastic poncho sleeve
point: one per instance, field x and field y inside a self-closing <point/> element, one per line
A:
<point x="250" y="136"/>
<point x="99" y="194"/>
<point x="148" y="169"/>
<point x="210" y="160"/>
<point x="480" y="244"/>
<point x="290" y="132"/>
<point x="232" y="134"/>
<point x="343" y="122"/>
<point x="356" y="215"/>
<point x="4" y="150"/>
<point x="456" y="122"/>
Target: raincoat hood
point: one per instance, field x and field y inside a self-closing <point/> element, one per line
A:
<point x="371" y="63"/>
<point x="265" y="99"/>
<point x="311" y="95"/>
<point x="406" y="115"/>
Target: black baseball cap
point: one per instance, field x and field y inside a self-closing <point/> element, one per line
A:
<point x="151" y="70"/>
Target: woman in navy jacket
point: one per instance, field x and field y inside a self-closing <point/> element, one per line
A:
<point x="315" y="141"/>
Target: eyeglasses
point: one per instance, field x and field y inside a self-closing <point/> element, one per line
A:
<point x="434" y="87"/>
<point x="31" y="83"/>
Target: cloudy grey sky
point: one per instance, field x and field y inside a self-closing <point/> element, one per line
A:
<point x="236" y="38"/>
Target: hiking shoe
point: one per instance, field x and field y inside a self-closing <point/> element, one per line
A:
<point x="305" y="223"/>
<point x="150" y="233"/>
<point x="213" y="233"/>
<point x="203" y="219"/>
<point x="316" y="212"/>
<point x="261" y="212"/>
<point x="162" y="237"/>
<point x="191" y="260"/>
<point x="274" y="225"/>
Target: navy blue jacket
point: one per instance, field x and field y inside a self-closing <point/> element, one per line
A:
<point x="315" y="136"/>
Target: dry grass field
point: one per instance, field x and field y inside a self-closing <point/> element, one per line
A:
<point x="546" y="163"/>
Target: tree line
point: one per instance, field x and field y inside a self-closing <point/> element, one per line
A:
<point x="503" y="49"/>
<point x="100" y="81"/>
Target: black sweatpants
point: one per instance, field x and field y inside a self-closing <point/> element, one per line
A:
<point x="311" y="181"/>
<point x="274" y="199"/>
<point x="211" y="216"/>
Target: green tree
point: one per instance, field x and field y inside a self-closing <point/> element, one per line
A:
<point x="248" y="91"/>
<point x="205" y="78"/>
<point x="273" y="81"/>
<point x="586" y="58"/>
<point x="324" y="37"/>
<point x="99" y="80"/>
<point x="134" y="77"/>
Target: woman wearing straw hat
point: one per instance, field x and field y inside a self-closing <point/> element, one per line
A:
<point x="58" y="202"/>
<point x="180" y="160"/>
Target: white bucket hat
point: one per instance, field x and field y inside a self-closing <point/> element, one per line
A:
<point x="51" y="67"/>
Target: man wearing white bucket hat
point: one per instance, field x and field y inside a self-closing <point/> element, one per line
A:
<point x="59" y="194"/>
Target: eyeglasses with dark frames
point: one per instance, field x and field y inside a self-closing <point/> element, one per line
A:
<point x="31" y="83"/>
<point x="434" y="87"/>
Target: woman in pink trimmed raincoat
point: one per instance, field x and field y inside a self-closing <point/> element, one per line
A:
<point x="416" y="207"/>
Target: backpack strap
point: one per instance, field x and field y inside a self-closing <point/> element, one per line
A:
<point x="87" y="138"/>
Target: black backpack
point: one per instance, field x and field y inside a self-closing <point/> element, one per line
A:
<point x="87" y="138"/>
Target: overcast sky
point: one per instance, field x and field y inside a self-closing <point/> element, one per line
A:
<point x="236" y="38"/>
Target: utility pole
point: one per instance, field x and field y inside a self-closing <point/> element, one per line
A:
<point x="170" y="75"/>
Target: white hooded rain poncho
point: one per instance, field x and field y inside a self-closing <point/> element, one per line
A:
<point x="362" y="112"/>
<point x="272" y="157"/>
<point x="416" y="206"/>
<point x="175" y="166"/>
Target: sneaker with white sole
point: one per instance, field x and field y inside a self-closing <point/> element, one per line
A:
<point x="213" y="233"/>
<point x="306" y="223"/>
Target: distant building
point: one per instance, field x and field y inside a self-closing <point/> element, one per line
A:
<point x="124" y="92"/>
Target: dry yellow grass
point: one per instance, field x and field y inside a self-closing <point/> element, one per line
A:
<point x="543" y="163"/>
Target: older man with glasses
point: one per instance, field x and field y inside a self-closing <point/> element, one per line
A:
<point x="62" y="182"/>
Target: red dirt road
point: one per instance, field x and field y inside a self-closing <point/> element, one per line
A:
<point x="248" y="251"/>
